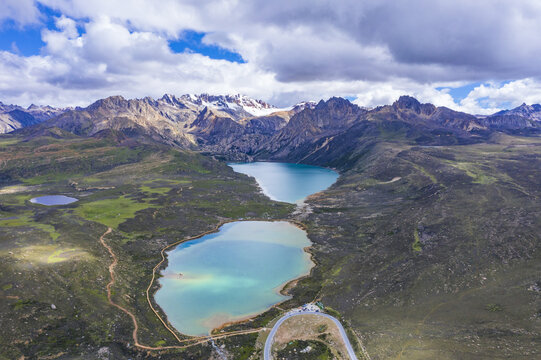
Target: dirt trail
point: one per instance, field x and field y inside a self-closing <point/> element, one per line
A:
<point x="195" y="340"/>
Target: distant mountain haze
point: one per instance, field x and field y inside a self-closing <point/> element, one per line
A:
<point x="14" y="117"/>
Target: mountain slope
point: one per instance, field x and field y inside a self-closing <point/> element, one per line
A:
<point x="221" y="124"/>
<point x="129" y="116"/>
<point x="13" y="117"/>
<point x="183" y="109"/>
<point x="307" y="127"/>
<point x="410" y="110"/>
<point x="532" y="112"/>
<point x="524" y="117"/>
<point x="214" y="129"/>
<point x="425" y="248"/>
<point x="333" y="128"/>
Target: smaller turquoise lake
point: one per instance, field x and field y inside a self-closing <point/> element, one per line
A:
<point x="232" y="274"/>
<point x="288" y="182"/>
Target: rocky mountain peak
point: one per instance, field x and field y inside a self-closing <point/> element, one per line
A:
<point x="334" y="103"/>
<point x="172" y="100"/>
<point x="330" y="115"/>
<point x="110" y="102"/>
<point x="6" y="107"/>
<point x="407" y="102"/>
<point x="168" y="98"/>
<point x="304" y="105"/>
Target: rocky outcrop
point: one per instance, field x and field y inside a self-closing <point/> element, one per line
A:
<point x="211" y="128"/>
<point x="410" y="103"/>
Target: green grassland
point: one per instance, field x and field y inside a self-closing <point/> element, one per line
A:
<point x="110" y="212"/>
<point x="151" y="196"/>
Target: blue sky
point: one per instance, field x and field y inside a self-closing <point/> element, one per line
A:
<point x="192" y="41"/>
<point x="27" y="37"/>
<point x="27" y="40"/>
<point x="461" y="92"/>
<point x="71" y="52"/>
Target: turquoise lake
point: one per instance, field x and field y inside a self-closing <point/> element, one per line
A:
<point x="288" y="182"/>
<point x="232" y="274"/>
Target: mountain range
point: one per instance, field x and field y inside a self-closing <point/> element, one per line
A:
<point x="242" y="128"/>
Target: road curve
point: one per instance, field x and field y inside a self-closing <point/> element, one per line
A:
<point x="268" y="343"/>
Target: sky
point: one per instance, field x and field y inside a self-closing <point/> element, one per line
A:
<point x="474" y="56"/>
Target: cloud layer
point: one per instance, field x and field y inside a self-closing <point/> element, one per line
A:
<point x="374" y="50"/>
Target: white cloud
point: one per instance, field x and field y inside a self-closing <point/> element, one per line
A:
<point x="23" y="12"/>
<point x="424" y="40"/>
<point x="492" y="97"/>
<point x="386" y="93"/>
<point x="164" y="16"/>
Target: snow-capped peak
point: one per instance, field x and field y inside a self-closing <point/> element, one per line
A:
<point x="237" y="106"/>
<point x="231" y="103"/>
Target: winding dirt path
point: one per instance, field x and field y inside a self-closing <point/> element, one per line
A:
<point x="112" y="282"/>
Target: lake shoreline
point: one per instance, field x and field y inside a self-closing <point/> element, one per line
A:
<point x="303" y="179"/>
<point x="154" y="286"/>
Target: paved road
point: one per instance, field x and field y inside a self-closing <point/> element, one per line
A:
<point x="268" y="343"/>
